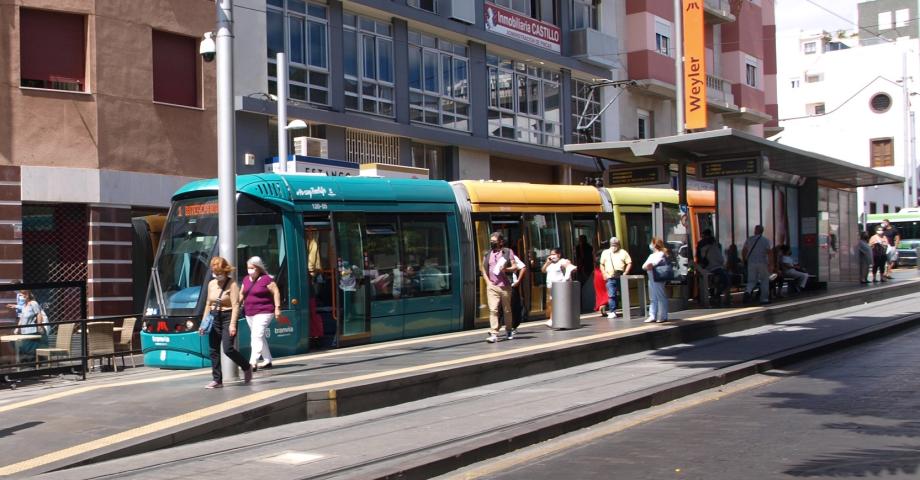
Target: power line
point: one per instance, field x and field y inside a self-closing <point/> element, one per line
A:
<point x="822" y="7"/>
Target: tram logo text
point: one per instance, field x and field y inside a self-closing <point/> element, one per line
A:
<point x="317" y="191"/>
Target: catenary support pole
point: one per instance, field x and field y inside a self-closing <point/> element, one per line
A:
<point x="282" y="76"/>
<point x="905" y="157"/>
<point x="678" y="42"/>
<point x="226" y="140"/>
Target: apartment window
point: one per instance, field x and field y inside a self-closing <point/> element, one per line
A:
<point x="438" y="82"/>
<point x="901" y="17"/>
<point x="643" y="124"/>
<point x="663" y="37"/>
<point x="880" y="102"/>
<point x="750" y="70"/>
<point x="522" y="6"/>
<point x="301" y="30"/>
<point x="586" y="105"/>
<point x="584" y="14"/>
<point x="814" y="77"/>
<point x="816" y="109"/>
<point x="885" y="208"/>
<point x="52" y="50"/>
<point x="524" y="102"/>
<point x="873" y="207"/>
<point x="881" y="152"/>
<point x="431" y="157"/>
<point x="795" y="83"/>
<point x="884" y="20"/>
<point x="175" y="69"/>
<point x="427" y="5"/>
<point x="544" y="10"/>
<point x="368" y="51"/>
<point x="810" y="48"/>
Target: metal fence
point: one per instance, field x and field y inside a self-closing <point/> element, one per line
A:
<point x="40" y="336"/>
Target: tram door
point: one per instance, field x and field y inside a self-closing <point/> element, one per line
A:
<point x="587" y="248"/>
<point x="350" y="288"/>
<point x="320" y="274"/>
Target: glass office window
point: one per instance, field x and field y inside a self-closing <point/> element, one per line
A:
<point x="438" y="82"/>
<point x="300" y="29"/>
<point x="368" y="47"/>
<point x="524" y="102"/>
<point x="584" y="14"/>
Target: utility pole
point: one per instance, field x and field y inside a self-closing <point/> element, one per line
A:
<point x="282" y="94"/>
<point x="678" y="41"/>
<point x="226" y="159"/>
<point x="908" y="177"/>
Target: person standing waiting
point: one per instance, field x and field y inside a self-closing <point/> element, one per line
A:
<point x="894" y="241"/>
<point x="757" y="254"/>
<point x="658" y="310"/>
<point x="261" y="301"/>
<point x="499" y="265"/>
<point x="223" y="305"/>
<point x="865" y="257"/>
<point x="879" y="244"/>
<point x="615" y="262"/>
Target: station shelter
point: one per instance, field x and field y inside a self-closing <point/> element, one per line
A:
<point x="801" y="198"/>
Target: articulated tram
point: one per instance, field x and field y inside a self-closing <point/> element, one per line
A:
<point x="381" y="259"/>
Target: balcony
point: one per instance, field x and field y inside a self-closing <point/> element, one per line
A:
<point x="596" y="48"/>
<point x="719" y="95"/>
<point x="718" y="11"/>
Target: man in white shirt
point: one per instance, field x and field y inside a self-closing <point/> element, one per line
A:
<point x="757" y="255"/>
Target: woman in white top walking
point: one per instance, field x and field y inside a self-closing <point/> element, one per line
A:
<point x="557" y="269"/>
<point x="658" y="310"/>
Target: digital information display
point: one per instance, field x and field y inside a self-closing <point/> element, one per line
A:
<point x="632" y="175"/>
<point x="738" y="167"/>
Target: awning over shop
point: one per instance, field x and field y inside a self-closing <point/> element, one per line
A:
<point x="728" y="144"/>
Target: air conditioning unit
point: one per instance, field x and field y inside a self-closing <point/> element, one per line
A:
<point x="311" y="147"/>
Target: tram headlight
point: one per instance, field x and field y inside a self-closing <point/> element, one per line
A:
<point x="144" y="326"/>
<point x="189" y="325"/>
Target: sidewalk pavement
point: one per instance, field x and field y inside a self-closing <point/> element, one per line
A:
<point x="117" y="416"/>
<point x="428" y="437"/>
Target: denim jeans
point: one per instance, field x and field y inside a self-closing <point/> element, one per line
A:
<point x="613" y="287"/>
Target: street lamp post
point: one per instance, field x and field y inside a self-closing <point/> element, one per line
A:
<point x="226" y="139"/>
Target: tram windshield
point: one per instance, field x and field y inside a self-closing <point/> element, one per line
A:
<point x="190" y="240"/>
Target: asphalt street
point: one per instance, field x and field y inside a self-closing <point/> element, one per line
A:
<point x="852" y="414"/>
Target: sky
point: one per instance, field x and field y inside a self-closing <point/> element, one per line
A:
<point x="795" y="15"/>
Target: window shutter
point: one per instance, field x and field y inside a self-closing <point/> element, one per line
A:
<point x="52" y="49"/>
<point x="175" y="69"/>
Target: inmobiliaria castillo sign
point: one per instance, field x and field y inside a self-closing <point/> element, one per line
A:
<point x="512" y="24"/>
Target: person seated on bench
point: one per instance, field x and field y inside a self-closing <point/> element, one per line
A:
<point x="792" y="269"/>
<point x="711" y="261"/>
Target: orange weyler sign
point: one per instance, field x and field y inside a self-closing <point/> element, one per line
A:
<point x="694" y="65"/>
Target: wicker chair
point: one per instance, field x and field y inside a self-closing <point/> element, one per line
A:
<point x="100" y="342"/>
<point x="126" y="342"/>
<point x="62" y="345"/>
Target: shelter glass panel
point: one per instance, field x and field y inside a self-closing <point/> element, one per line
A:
<point x="753" y="207"/>
<point x="766" y="214"/>
<point x="739" y="219"/>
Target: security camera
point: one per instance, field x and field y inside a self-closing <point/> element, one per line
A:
<point x="208" y="48"/>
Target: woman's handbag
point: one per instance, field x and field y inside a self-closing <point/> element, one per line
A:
<point x="663" y="272"/>
<point x="206" y="325"/>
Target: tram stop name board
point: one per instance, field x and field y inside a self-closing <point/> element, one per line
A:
<point x="633" y="175"/>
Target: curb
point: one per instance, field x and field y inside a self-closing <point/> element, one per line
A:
<point x="503" y="441"/>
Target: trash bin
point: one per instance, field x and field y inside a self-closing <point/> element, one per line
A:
<point x="566" y="304"/>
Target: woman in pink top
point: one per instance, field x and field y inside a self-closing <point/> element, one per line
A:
<point x="261" y="301"/>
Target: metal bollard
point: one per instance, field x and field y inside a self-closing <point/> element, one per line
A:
<point x="566" y="304"/>
<point x="624" y="295"/>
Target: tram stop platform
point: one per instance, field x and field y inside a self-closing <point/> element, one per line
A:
<point x="420" y="407"/>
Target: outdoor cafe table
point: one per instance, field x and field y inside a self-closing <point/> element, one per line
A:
<point x="15" y="340"/>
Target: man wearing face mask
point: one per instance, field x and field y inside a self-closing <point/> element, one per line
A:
<point x="615" y="261"/>
<point x="498" y="268"/>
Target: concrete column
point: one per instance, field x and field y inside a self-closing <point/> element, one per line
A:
<point x="401" y="69"/>
<point x="565" y="105"/>
<point x="336" y="60"/>
<point x="565" y="24"/>
<point x="336" y="138"/>
<point x="10" y="235"/>
<point x="563" y="174"/>
<point x="473" y="165"/>
<point x="110" y="290"/>
<point x="405" y="151"/>
<point x="479" y="90"/>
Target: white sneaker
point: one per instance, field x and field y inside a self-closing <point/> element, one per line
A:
<point x="649" y="320"/>
<point x="612" y="314"/>
<point x="492" y="338"/>
<point x="549" y="323"/>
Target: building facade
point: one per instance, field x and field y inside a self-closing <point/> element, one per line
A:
<point x="105" y="110"/>
<point x="861" y="115"/>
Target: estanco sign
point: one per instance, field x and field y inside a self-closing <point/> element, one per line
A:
<point x="512" y="24"/>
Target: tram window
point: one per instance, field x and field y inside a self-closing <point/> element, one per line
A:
<point x="383" y="272"/>
<point x="261" y="235"/>
<point x="427" y="262"/>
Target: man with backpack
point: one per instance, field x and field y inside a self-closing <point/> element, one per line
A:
<point x="499" y="266"/>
